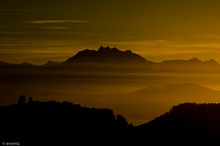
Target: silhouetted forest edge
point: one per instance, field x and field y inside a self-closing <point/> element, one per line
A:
<point x="33" y="122"/>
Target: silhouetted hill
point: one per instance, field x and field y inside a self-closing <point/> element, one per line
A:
<point x="191" y="65"/>
<point x="8" y="69"/>
<point x="186" y="123"/>
<point x="106" y="55"/>
<point x="50" y="64"/>
<point x="52" y="122"/>
<point x="190" y="61"/>
<point x="177" y="89"/>
<point x="211" y="62"/>
<point x="27" y="64"/>
<point x="172" y="94"/>
<point x="24" y="64"/>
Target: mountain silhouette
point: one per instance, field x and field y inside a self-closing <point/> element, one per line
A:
<point x="185" y="123"/>
<point x="114" y="55"/>
<point x="50" y="64"/>
<point x="172" y="94"/>
<point x="27" y="64"/>
<point x="191" y="65"/>
<point x="176" y="89"/>
<point x="106" y="55"/>
<point x="113" y="59"/>
<point x="24" y="64"/>
<point x="211" y="62"/>
<point x="191" y="61"/>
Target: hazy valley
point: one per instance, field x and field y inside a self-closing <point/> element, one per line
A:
<point x="109" y="78"/>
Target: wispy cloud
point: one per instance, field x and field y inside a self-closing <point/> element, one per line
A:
<point x="56" y="21"/>
<point x="57" y="28"/>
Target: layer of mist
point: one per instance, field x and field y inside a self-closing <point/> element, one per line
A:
<point x="139" y="91"/>
<point x="139" y="97"/>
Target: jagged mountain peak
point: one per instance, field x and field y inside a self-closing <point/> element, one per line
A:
<point x="106" y="55"/>
<point x="195" y="60"/>
<point x="107" y="49"/>
<point x="50" y="63"/>
<point x="26" y="64"/>
<point x="211" y="61"/>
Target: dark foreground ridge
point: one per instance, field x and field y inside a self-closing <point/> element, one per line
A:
<point x="51" y="122"/>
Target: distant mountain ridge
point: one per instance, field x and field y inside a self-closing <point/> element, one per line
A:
<point x="106" y="55"/>
<point x="50" y="64"/>
<point x="114" y="55"/>
<point x="191" y="61"/>
<point x="121" y="60"/>
<point x="177" y="88"/>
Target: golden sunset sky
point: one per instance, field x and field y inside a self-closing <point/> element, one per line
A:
<point x="38" y="31"/>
